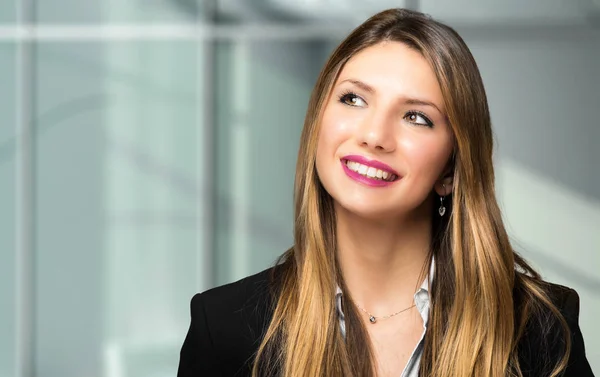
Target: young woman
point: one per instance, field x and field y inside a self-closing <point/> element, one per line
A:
<point x="401" y="265"/>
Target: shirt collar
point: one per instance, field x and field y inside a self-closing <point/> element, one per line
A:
<point x="421" y="297"/>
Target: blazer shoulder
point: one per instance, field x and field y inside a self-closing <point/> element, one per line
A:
<point x="234" y="318"/>
<point x="237" y="295"/>
<point x="565" y="298"/>
<point x="567" y="301"/>
<point x="544" y="340"/>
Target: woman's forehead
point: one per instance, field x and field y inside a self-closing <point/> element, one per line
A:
<point x="393" y="68"/>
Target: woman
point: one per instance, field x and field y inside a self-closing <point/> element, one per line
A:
<point x="401" y="265"/>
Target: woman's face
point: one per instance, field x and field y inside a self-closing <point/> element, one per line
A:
<point x="384" y="141"/>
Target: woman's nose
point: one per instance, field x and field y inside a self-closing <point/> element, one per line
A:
<point x="376" y="132"/>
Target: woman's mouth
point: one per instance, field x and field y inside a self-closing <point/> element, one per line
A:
<point x="368" y="175"/>
<point x="370" y="172"/>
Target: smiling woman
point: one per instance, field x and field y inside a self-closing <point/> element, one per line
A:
<point x="385" y="109"/>
<point x="382" y="279"/>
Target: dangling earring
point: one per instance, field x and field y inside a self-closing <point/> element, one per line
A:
<point x="442" y="209"/>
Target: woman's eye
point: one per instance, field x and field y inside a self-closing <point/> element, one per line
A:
<point x="418" y="118"/>
<point x="352" y="99"/>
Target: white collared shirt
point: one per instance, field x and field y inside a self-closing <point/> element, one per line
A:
<point x="421" y="298"/>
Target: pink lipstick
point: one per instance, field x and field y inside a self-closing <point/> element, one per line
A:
<point x="392" y="175"/>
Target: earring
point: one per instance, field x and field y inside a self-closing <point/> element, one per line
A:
<point x="442" y="209"/>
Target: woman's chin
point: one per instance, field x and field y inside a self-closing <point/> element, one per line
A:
<point x="369" y="211"/>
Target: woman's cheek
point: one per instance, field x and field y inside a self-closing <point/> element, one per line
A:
<point x="339" y="124"/>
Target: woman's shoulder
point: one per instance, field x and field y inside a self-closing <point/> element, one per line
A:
<point x="242" y="305"/>
<point x="564" y="298"/>
<point x="227" y="323"/>
<point x="238" y="294"/>
<point x="543" y="342"/>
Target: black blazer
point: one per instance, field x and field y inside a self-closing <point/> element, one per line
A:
<point x="228" y="322"/>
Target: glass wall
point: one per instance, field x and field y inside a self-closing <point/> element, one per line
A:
<point x="9" y="144"/>
<point x="115" y="12"/>
<point x="262" y="94"/>
<point x="118" y="203"/>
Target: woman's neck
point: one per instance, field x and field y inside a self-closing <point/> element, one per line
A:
<point x="382" y="262"/>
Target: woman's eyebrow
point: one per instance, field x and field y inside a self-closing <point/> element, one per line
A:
<point x="411" y="101"/>
<point x="416" y="101"/>
<point x="364" y="86"/>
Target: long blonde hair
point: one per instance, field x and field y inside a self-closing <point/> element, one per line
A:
<point x="476" y="321"/>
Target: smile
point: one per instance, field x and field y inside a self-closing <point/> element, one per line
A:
<point x="369" y="172"/>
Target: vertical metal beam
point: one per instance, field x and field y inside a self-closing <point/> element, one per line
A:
<point x="206" y="155"/>
<point x="24" y="206"/>
<point x="240" y="168"/>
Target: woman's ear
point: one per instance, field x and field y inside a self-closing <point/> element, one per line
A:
<point x="443" y="187"/>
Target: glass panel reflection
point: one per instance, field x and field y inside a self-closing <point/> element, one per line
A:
<point x="83" y="12"/>
<point x="118" y="231"/>
<point x="8" y="11"/>
<point x="8" y="199"/>
<point x="262" y="93"/>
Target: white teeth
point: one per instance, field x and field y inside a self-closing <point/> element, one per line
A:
<point x="370" y="171"/>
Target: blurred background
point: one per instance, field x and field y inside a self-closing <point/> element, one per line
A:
<point x="147" y="152"/>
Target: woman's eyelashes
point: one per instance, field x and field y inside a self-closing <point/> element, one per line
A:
<point x="352" y="99"/>
<point x="413" y="116"/>
<point x="419" y="118"/>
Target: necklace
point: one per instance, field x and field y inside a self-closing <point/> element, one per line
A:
<point x="374" y="319"/>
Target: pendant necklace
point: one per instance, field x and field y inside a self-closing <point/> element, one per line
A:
<point x="374" y="319"/>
